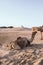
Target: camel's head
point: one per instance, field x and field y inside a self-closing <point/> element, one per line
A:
<point x="34" y="33"/>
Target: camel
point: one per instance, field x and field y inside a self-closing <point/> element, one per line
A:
<point x="21" y="42"/>
<point x="38" y="29"/>
<point x="24" y="42"/>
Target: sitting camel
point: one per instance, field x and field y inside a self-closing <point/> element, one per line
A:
<point x="23" y="41"/>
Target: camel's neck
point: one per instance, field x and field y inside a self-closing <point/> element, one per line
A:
<point x="32" y="37"/>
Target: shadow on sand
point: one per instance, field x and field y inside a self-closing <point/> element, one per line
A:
<point x="37" y="45"/>
<point x="12" y="53"/>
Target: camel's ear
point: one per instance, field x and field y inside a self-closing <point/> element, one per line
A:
<point x="18" y="38"/>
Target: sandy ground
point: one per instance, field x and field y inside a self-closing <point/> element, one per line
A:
<point x="32" y="55"/>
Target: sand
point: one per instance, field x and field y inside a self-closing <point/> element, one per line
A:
<point x="32" y="55"/>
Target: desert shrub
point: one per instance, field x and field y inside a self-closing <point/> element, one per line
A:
<point x="10" y="27"/>
<point x="3" y="27"/>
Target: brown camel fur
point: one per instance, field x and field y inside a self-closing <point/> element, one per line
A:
<point x="23" y="41"/>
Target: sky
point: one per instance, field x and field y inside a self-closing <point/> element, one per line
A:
<point x="28" y="13"/>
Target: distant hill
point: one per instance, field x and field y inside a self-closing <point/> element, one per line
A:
<point x="22" y="28"/>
